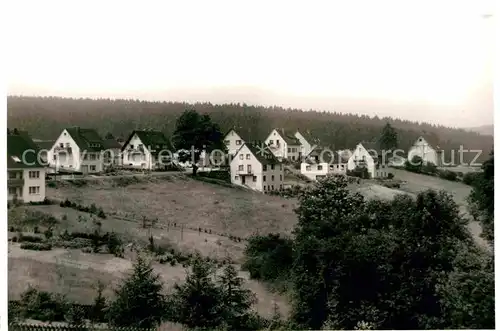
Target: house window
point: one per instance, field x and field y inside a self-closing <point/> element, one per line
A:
<point x="272" y="187"/>
<point x="236" y="178"/>
<point x="85" y="156"/>
<point x="281" y="186"/>
<point x="241" y="156"/>
<point x="226" y="142"/>
<point x="54" y="157"/>
<point x="271" y="142"/>
<point x="92" y="168"/>
<point x="272" y="166"/>
<point x="254" y="178"/>
<point x="34" y="189"/>
<point x="240" y="167"/>
<point x="264" y="187"/>
<point x="289" y="150"/>
<point x="131" y="146"/>
<point x="34" y="174"/>
<point x="264" y="167"/>
<point x="293" y="157"/>
<point x="277" y="142"/>
<point x="12" y="190"/>
<point x="61" y="145"/>
<point x="249" y="168"/>
<point x="238" y="142"/>
<point x="263" y="178"/>
<point x="248" y="156"/>
<point x="308" y="168"/>
<point x="272" y="178"/>
<point x="320" y="167"/>
<point x="92" y="157"/>
<point x="281" y="177"/>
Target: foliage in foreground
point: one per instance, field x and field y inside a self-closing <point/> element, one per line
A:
<point x="401" y="264"/>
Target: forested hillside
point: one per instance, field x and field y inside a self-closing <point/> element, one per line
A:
<point x="45" y="117"/>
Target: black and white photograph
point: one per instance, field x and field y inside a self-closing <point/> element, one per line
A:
<point x="249" y="165"/>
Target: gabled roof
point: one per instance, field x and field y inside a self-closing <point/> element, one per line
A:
<point x="17" y="144"/>
<point x="432" y="140"/>
<point x="45" y="144"/>
<point x="290" y="139"/>
<point x="311" y="139"/>
<point x="243" y="134"/>
<point x="261" y="152"/>
<point x="155" y="140"/>
<point x="373" y="148"/>
<point x="111" y="144"/>
<point x="86" y="139"/>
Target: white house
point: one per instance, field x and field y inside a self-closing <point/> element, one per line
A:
<point x="425" y="151"/>
<point x="283" y="145"/>
<point x="257" y="168"/>
<point x="307" y="142"/>
<point x="376" y="163"/>
<point x="233" y="141"/>
<point x="146" y="149"/>
<point x="25" y="173"/>
<point x="77" y="149"/>
<point x="322" y="162"/>
<point x="112" y="155"/>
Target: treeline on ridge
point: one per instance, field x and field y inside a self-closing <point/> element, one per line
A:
<point x="45" y="117"/>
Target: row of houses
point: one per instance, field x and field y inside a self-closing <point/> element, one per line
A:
<point x="260" y="165"/>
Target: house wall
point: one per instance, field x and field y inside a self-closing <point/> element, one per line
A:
<point x="231" y="140"/>
<point x="32" y="182"/>
<point x="135" y="158"/>
<point x="424" y="150"/>
<point x="65" y="160"/>
<point x="305" y="147"/>
<point x="91" y="162"/>
<point x="311" y="171"/>
<point x="112" y="157"/>
<point x="360" y="154"/>
<point x="256" y="167"/>
<point x="274" y="177"/>
<point x="277" y="144"/>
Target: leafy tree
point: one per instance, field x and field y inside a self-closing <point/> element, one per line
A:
<point x="381" y="263"/>
<point x="268" y="257"/>
<point x="236" y="300"/>
<point x="198" y="302"/>
<point x="388" y="138"/>
<point x="468" y="292"/>
<point x="43" y="306"/>
<point x="139" y="300"/>
<point x="415" y="165"/>
<point x="481" y="199"/>
<point x="195" y="132"/>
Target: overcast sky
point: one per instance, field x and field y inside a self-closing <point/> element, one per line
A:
<point x="419" y="60"/>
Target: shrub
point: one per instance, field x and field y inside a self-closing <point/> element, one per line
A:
<point x="448" y="175"/>
<point x="43" y="306"/>
<point x="12" y="229"/>
<point x="471" y="177"/>
<point x="51" y="184"/>
<point x="36" y="246"/>
<point x="29" y="238"/>
<point x="268" y="257"/>
<point x="390" y="175"/>
<point x="36" y="230"/>
<point x="48" y="233"/>
<point x="101" y="213"/>
<point x="360" y="172"/>
<point x="67" y="203"/>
